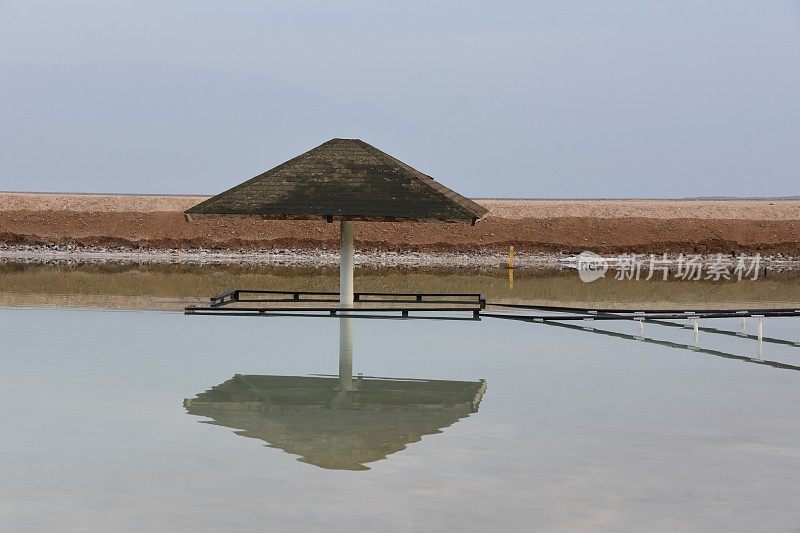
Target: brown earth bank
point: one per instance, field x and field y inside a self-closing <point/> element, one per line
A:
<point x="570" y="226"/>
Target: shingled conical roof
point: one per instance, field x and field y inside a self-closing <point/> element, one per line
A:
<point x="342" y="179"/>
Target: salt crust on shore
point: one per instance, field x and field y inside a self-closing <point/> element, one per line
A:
<point x="328" y="258"/>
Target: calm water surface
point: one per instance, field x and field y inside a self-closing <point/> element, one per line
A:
<point x="488" y="425"/>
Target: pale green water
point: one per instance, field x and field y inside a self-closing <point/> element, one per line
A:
<point x="574" y="431"/>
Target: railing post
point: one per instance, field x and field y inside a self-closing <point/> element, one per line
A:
<point x="760" y="336"/>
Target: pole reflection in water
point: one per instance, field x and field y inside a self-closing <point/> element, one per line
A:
<point x="336" y="422"/>
<point x="346" y="353"/>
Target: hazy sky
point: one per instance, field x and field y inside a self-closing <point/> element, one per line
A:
<point x="533" y="98"/>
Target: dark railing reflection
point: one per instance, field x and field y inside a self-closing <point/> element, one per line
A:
<point x="670" y="344"/>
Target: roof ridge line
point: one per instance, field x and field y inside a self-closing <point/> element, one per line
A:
<point x="457" y="198"/>
<point x="265" y="173"/>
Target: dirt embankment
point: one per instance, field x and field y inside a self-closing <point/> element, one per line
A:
<point x="604" y="226"/>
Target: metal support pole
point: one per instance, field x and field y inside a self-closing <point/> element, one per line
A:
<point x="346" y="265"/>
<point x="696" y="329"/>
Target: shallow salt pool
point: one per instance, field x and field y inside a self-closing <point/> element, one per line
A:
<point x="568" y="429"/>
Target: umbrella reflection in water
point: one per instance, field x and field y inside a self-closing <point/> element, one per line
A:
<point x="338" y="423"/>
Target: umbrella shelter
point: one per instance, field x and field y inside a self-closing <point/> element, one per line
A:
<point x="343" y="180"/>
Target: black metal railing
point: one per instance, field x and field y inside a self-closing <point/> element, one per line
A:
<point x="256" y="302"/>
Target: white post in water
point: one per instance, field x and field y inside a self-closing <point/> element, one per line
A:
<point x="346" y="265"/>
<point x="345" y="302"/>
<point x="760" y="337"/>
